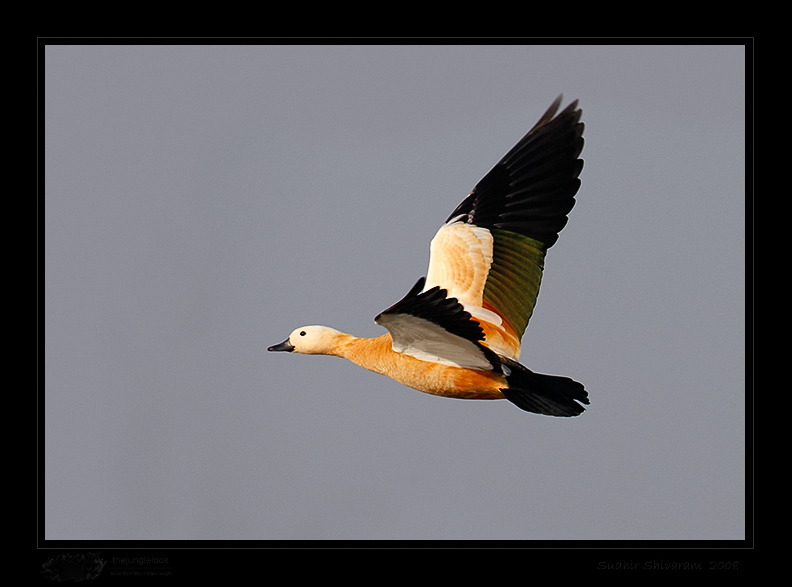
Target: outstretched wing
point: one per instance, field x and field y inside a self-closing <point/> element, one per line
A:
<point x="489" y="254"/>
<point x="432" y="327"/>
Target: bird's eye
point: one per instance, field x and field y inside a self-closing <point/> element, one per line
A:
<point x="302" y="333"/>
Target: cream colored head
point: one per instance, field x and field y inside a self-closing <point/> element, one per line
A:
<point x="310" y="340"/>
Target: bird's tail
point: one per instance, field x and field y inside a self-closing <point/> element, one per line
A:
<point x="543" y="394"/>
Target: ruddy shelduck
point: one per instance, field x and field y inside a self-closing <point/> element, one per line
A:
<point x="457" y="332"/>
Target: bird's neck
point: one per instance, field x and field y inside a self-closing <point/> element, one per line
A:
<point x="369" y="353"/>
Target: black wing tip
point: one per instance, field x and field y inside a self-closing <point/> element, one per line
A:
<point x="571" y="108"/>
<point x="550" y="112"/>
<point x="416" y="289"/>
<point x="532" y="188"/>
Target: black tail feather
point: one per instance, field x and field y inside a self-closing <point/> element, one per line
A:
<point x="543" y="394"/>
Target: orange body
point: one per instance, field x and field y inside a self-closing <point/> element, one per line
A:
<point x="377" y="354"/>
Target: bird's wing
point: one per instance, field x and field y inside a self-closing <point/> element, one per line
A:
<point x="490" y="252"/>
<point x="430" y="326"/>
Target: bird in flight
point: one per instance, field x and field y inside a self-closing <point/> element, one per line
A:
<point x="457" y="332"/>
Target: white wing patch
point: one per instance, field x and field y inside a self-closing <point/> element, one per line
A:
<point x="459" y="262"/>
<point x="428" y="341"/>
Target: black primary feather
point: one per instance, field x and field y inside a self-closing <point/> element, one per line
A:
<point x="435" y="306"/>
<point x="532" y="189"/>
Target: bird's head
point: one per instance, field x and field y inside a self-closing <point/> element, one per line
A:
<point x="310" y="340"/>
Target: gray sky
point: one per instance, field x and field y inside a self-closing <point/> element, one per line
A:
<point x="201" y="202"/>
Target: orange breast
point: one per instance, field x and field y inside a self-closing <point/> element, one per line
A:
<point x="376" y="354"/>
<point x="446" y="380"/>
